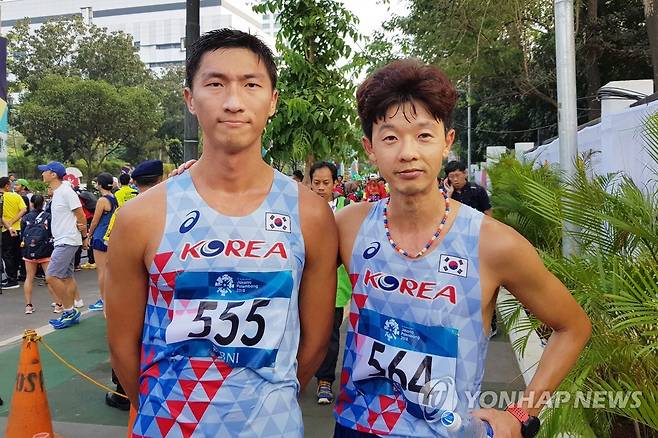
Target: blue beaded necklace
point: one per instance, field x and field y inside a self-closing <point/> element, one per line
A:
<point x="430" y="242"/>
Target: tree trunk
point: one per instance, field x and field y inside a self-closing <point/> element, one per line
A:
<point x="592" y="58"/>
<point x="310" y="159"/>
<point x="651" y="17"/>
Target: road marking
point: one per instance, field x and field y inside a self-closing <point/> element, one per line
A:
<point x="41" y="331"/>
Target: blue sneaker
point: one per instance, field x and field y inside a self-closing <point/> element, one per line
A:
<point x="67" y="319"/>
<point x="324" y="393"/>
<point x="97" y="306"/>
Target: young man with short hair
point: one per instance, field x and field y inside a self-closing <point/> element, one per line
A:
<point x="324" y="177"/>
<point x="225" y="267"/>
<point x="425" y="271"/>
<point x="69" y="229"/>
<point x="13" y="209"/>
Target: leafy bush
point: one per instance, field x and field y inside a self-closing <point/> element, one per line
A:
<point x="614" y="277"/>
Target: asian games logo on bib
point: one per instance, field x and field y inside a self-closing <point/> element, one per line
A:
<point x="277" y="222"/>
<point x="453" y="265"/>
<point x="391" y="329"/>
<point x="224" y="284"/>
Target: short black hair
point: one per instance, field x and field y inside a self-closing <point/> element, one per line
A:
<point x="37" y="201"/>
<point x="4" y="181"/>
<point x="228" y="38"/>
<point x="299" y="174"/>
<point x="124" y="179"/>
<point x="455" y="165"/>
<point x="147" y="180"/>
<point x="320" y="164"/>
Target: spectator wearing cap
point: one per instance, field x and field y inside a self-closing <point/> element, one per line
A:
<point x="148" y="174"/>
<point x="13" y="209"/>
<point x="22" y="187"/>
<point x="105" y="208"/>
<point x="69" y="229"/>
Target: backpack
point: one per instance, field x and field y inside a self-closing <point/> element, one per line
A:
<point x="37" y="237"/>
<point x="88" y="201"/>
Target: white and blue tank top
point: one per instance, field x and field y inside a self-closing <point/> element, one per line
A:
<point x="221" y="327"/>
<point x="415" y="343"/>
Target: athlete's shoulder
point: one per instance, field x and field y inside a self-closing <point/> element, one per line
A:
<point x="144" y="208"/>
<point x="312" y="207"/>
<point x="351" y="217"/>
<point x="500" y="243"/>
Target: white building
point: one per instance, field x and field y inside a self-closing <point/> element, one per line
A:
<point x="157" y="26"/>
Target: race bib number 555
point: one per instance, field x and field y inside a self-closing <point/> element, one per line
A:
<point x="238" y="316"/>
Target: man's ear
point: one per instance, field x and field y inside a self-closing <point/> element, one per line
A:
<point x="450" y="140"/>
<point x="273" y="103"/>
<point x="189" y="100"/>
<point x="367" y="147"/>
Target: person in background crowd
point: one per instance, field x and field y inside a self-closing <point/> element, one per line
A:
<point x="88" y="201"/>
<point x="12" y="180"/>
<point x="22" y="187"/>
<point x="351" y="188"/>
<point x="298" y="176"/>
<point x="37" y="247"/>
<point x="323" y="179"/>
<point x="460" y="189"/>
<point x="69" y="229"/>
<point x="105" y="208"/>
<point x="374" y="191"/>
<point x="13" y="209"/>
<point x="125" y="192"/>
<point x="339" y="189"/>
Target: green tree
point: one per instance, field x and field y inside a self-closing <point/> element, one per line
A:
<point x="508" y="48"/>
<point x="316" y="118"/>
<point x="168" y="87"/>
<point x="87" y="119"/>
<point x="69" y="47"/>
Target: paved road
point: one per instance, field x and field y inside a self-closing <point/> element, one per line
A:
<point x="78" y="407"/>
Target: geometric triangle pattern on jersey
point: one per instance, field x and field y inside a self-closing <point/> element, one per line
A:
<point x="411" y="291"/>
<point x="190" y="390"/>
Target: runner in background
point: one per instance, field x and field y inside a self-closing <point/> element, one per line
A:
<point x="37" y="247"/>
<point x="324" y="177"/>
<point x="105" y="208"/>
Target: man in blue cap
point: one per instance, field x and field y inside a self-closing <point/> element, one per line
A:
<point x="69" y="229"/>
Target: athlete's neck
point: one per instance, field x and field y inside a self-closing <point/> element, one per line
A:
<point x="232" y="173"/>
<point x="417" y="212"/>
<point x="55" y="184"/>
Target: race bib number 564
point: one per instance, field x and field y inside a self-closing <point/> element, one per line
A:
<point x="398" y="356"/>
<point x="238" y="316"/>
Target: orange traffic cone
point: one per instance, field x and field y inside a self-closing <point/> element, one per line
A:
<point x="131" y="420"/>
<point x="29" y="415"/>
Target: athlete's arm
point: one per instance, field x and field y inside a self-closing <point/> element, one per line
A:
<point x="511" y="261"/>
<point x="349" y="220"/>
<point x="317" y="293"/>
<point x="126" y="285"/>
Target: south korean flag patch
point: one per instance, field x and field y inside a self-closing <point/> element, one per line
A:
<point x="453" y="265"/>
<point x="277" y="222"/>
